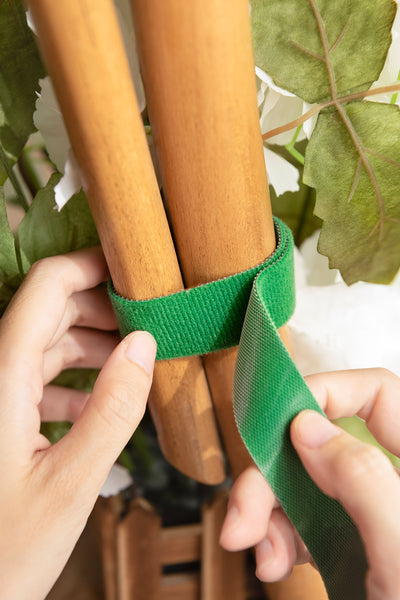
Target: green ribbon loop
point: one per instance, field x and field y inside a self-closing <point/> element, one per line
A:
<point x="208" y="317"/>
<point x="268" y="392"/>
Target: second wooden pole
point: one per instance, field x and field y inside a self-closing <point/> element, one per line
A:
<point x="198" y="72"/>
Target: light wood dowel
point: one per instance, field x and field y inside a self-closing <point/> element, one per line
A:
<point x="198" y="71"/>
<point x="305" y="583"/>
<point x="83" y="50"/>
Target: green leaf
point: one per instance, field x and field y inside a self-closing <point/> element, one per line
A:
<point x="353" y="161"/>
<point x="46" y="232"/>
<point x="10" y="276"/>
<point x="20" y="70"/>
<point x="318" y="49"/>
<point x="54" y="431"/>
<point x="8" y="260"/>
<point x="296" y="209"/>
<point x="357" y="427"/>
<point x="78" y="379"/>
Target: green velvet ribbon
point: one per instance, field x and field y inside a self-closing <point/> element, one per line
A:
<point x="248" y="308"/>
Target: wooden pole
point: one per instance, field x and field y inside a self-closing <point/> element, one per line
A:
<point x="84" y="54"/>
<point x="304" y="583"/>
<point x="198" y="72"/>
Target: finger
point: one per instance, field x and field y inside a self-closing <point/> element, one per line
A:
<point x="84" y="457"/>
<point x="41" y="300"/>
<point x="250" y="504"/>
<point x="372" y="394"/>
<point x="91" y="308"/>
<point x="26" y="328"/>
<point x="79" y="347"/>
<point x="61" y="403"/>
<point x="276" y="554"/>
<point x="362" y="478"/>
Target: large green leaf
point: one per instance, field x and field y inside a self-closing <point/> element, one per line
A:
<point x="20" y="70"/>
<point x="319" y="48"/>
<point x="353" y="161"/>
<point x="46" y="232"/>
<point x="10" y="276"/>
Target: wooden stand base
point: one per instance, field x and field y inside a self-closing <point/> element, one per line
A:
<point x="126" y="554"/>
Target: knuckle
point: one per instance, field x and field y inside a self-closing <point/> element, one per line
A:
<point x="382" y="373"/>
<point x="362" y="461"/>
<point x="43" y="267"/>
<point x="384" y="583"/>
<point x="120" y="405"/>
<point x="73" y="348"/>
<point x="50" y="268"/>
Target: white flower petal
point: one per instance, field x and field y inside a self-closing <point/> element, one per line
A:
<point x="316" y="266"/>
<point x="118" y="479"/>
<point x="270" y="99"/>
<point x="391" y="68"/>
<point x="30" y="22"/>
<point x="270" y="82"/>
<point x="283" y="176"/>
<point x="308" y="126"/>
<point x="390" y="71"/>
<point x="279" y="110"/>
<point x="48" y="120"/>
<point x="70" y="183"/>
<point x="261" y="89"/>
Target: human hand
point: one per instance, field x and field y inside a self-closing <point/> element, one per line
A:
<point x="59" y="319"/>
<point x="358" y="475"/>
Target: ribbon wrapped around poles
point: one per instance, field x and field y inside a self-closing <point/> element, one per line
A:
<point x="248" y="308"/>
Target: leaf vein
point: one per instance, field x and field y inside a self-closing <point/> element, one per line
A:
<point x="325" y="45"/>
<point x="355" y="181"/>
<point x="346" y="120"/>
<point x="382" y="157"/>
<point x="371" y="173"/>
<point x="340" y="36"/>
<point x="307" y="51"/>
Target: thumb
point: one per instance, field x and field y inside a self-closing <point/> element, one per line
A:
<point x="362" y="478"/>
<point x="112" y="413"/>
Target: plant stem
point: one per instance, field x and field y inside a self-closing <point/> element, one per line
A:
<point x="14" y="180"/>
<point x="346" y="121"/>
<point x="316" y="109"/>
<point x="34" y="167"/>
<point x="393" y="99"/>
<point x="292" y="150"/>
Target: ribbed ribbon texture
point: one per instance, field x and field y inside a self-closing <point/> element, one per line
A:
<point x="247" y="309"/>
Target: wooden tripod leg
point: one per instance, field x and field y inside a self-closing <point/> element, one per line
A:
<point x="82" y="47"/>
<point x="198" y="71"/>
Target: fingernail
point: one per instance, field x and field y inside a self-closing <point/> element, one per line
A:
<point x="313" y="429"/>
<point x="231" y="519"/>
<point x="142" y="349"/>
<point x="265" y="553"/>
